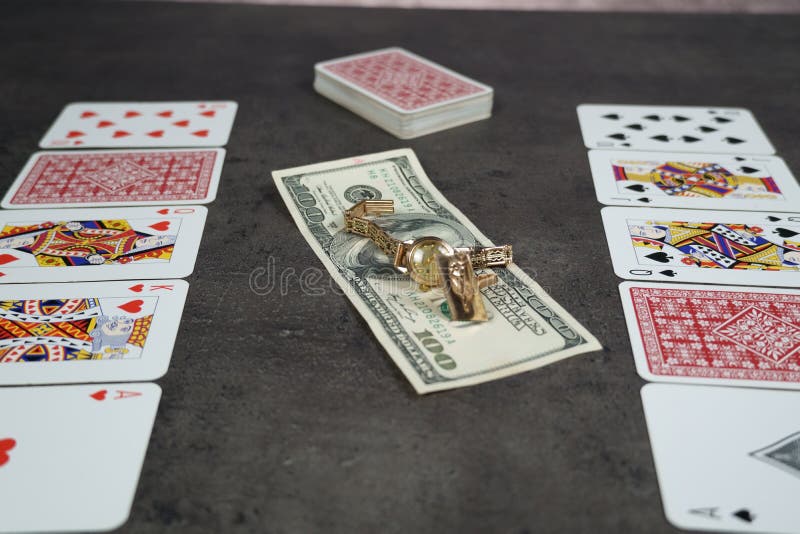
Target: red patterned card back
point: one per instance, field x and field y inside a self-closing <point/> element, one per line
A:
<point x="734" y="335"/>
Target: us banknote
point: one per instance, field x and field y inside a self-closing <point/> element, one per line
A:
<point x="527" y="329"/>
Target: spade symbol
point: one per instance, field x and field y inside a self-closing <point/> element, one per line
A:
<point x="722" y="120"/>
<point x="626" y="144"/>
<point x="652" y="117"/>
<point x="669" y="272"/>
<point x="636" y="187"/>
<point x="660" y="257"/>
<point x="745" y="515"/>
<point x="783" y="232"/>
<point x="748" y="170"/>
<point x="739" y="158"/>
<point x="773" y="218"/>
<point x="680" y="118"/>
<point x="635" y="127"/>
<point x="644" y="199"/>
<point x="612" y="116"/>
<point x="707" y="129"/>
<point x="733" y="140"/>
<point x="660" y="138"/>
<point x="620" y="136"/>
<point x="690" y="139"/>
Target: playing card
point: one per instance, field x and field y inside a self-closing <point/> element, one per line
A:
<point x="727" y="459"/>
<point x="92" y="332"/>
<point x="402" y="81"/>
<point x="141" y="124"/>
<point x="718" y="247"/>
<point x="716" y="335"/>
<point x="117" y="178"/>
<point x="697" y="181"/>
<point x="672" y="129"/>
<point x="70" y="456"/>
<point x="73" y="245"/>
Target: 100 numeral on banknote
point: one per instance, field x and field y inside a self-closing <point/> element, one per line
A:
<point x="526" y="330"/>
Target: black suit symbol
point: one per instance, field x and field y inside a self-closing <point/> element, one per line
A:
<point x="748" y="170"/>
<point x="733" y="140"/>
<point x="644" y="199"/>
<point x="739" y="158"/>
<point x="722" y="120"/>
<point x="663" y="138"/>
<point x="636" y="187"/>
<point x="612" y="116"/>
<point x="745" y="515"/>
<point x="690" y="139"/>
<point x="661" y="257"/>
<point x="785" y="233"/>
<point x="680" y="118"/>
<point x="669" y="272"/>
<point x="620" y="136"/>
<point x="652" y="117"/>
<point x="773" y="218"/>
<point x="707" y="129"/>
<point x="635" y="127"/>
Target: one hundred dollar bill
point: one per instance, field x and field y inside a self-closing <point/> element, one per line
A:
<point x="526" y="329"/>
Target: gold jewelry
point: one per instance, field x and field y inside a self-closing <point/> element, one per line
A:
<point x="431" y="262"/>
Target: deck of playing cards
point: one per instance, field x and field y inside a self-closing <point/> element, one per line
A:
<point x="404" y="94"/>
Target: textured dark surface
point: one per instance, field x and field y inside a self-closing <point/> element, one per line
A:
<point x="281" y="413"/>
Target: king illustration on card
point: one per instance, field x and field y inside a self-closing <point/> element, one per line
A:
<point x="92" y="332"/>
<point x="723" y="335"/>
<point x="697" y="181"/>
<point x="98" y="244"/>
<point x="74" y="329"/>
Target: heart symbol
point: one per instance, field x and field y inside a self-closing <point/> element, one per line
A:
<point x="669" y="272"/>
<point x="163" y="211"/>
<point x="129" y="114"/>
<point x="6" y="445"/>
<point x="75" y="133"/>
<point x="99" y="395"/>
<point x="87" y="114"/>
<point x="201" y="133"/>
<point x="636" y="187"/>
<point x="77" y="142"/>
<point x="121" y="133"/>
<point x="661" y="257"/>
<point x="134" y="306"/>
<point x="137" y="288"/>
<point x="165" y="114"/>
<point x="7" y="258"/>
<point x="160" y="226"/>
<point x="104" y="124"/>
<point x="181" y="123"/>
<point x="156" y="133"/>
<point x="209" y="113"/>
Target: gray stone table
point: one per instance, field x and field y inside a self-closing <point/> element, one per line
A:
<point x="281" y="412"/>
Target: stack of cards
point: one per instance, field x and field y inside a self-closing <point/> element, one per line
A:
<point x="126" y="224"/>
<point x="404" y="94"/>
<point x="703" y="200"/>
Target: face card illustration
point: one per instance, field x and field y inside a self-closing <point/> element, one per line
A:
<point x="672" y="129"/>
<point x="84" y="446"/>
<point x="715" y="335"/>
<point x="141" y="124"/>
<point x="719" y="247"/>
<point x="695" y="181"/>
<point x="93" y="332"/>
<point x="727" y="459"/>
<point x="402" y="81"/>
<point x="74" y="245"/>
<point x="117" y="178"/>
